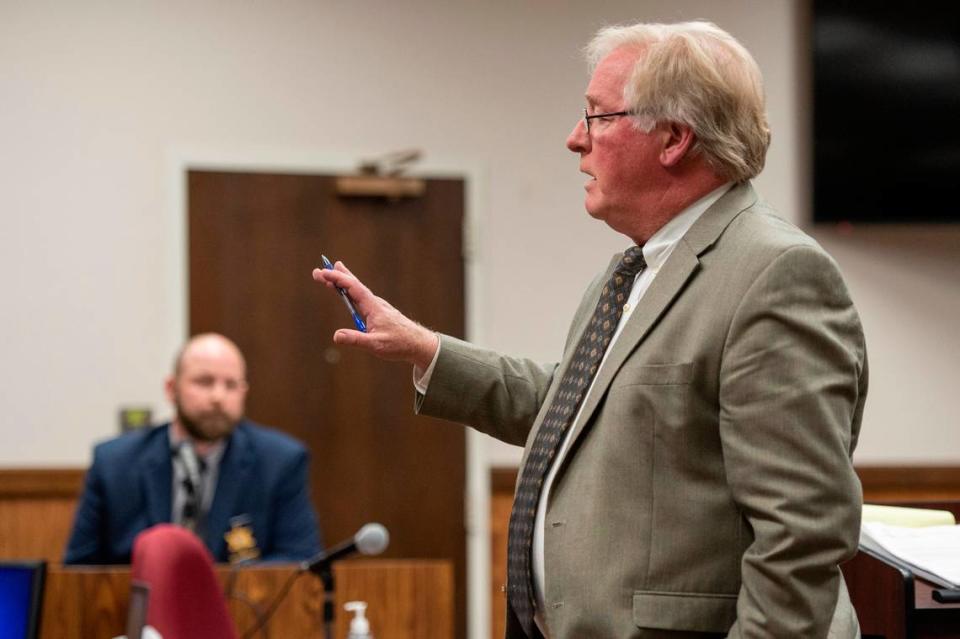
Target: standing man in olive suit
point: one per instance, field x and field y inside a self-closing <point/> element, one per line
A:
<point x="687" y="467"/>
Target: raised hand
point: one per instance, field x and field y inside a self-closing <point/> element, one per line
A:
<point x="390" y="335"/>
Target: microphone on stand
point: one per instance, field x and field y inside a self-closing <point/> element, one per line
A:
<point x="372" y="539"/>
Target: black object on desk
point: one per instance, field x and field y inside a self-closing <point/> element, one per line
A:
<point x="946" y="595"/>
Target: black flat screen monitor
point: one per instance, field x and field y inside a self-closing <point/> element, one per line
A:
<point x="886" y="93"/>
<point x="21" y="597"/>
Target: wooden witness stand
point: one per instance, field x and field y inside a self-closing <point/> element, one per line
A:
<point x="407" y="599"/>
<point x="894" y="604"/>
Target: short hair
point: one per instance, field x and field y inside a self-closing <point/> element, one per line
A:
<point x="695" y="73"/>
<point x="178" y="358"/>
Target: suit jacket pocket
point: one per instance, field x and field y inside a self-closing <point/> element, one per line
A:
<point x="654" y="375"/>
<point x="694" y="611"/>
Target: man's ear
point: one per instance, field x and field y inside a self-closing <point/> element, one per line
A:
<point x="677" y="142"/>
<point x="170" y="388"/>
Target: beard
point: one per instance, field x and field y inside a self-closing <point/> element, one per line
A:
<point x="206" y="427"/>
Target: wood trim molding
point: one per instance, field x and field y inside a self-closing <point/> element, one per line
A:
<point x="880" y="483"/>
<point x="41" y="482"/>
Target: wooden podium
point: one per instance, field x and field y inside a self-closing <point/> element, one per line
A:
<point x="407" y="599"/>
<point x="892" y="603"/>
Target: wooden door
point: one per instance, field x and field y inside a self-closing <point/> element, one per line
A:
<point x="253" y="240"/>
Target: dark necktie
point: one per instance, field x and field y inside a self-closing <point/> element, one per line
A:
<point x="194" y="468"/>
<point x="573" y="387"/>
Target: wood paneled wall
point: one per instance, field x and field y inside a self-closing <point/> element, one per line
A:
<point x="909" y="483"/>
<point x="36" y="511"/>
<point x="37" y="508"/>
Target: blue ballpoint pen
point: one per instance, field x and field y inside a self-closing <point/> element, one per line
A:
<point x="357" y="321"/>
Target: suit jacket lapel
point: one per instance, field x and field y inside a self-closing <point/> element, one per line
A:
<point x="236" y="468"/>
<point x="580" y="321"/>
<point x="669" y="282"/>
<point x="585" y="313"/>
<point x="157" y="478"/>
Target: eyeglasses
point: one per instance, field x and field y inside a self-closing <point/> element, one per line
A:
<point x="587" y="117"/>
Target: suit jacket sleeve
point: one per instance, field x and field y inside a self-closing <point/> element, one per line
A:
<point x="495" y="394"/>
<point x="498" y="395"/>
<point x="792" y="384"/>
<point x="85" y="546"/>
<point x="296" y="533"/>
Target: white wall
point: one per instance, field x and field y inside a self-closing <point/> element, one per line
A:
<point x="97" y="96"/>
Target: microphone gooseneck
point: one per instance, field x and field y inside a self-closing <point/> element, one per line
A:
<point x="371" y="539"/>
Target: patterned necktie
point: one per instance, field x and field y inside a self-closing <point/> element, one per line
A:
<point x="194" y="468"/>
<point x="573" y="387"/>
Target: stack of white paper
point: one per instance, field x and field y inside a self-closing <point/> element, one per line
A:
<point x="931" y="552"/>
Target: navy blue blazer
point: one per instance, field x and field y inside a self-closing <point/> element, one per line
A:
<point x="263" y="475"/>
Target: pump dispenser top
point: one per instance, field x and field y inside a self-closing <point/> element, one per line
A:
<point x="359" y="625"/>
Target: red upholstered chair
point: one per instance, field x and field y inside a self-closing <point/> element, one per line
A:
<point x="186" y="600"/>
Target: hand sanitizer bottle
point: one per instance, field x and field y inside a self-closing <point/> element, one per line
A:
<point x="359" y="625"/>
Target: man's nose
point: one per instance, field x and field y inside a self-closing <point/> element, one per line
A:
<point x="579" y="140"/>
<point x="217" y="393"/>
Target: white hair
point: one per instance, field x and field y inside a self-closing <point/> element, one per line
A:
<point x="695" y="73"/>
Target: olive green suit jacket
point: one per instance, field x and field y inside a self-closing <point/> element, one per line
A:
<point x="709" y="486"/>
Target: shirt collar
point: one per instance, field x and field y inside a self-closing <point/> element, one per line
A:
<point x="211" y="457"/>
<point x="660" y="245"/>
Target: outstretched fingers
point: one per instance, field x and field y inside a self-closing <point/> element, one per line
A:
<point x="340" y="266"/>
<point x="361" y="296"/>
<point x="350" y="337"/>
<point x="390" y="334"/>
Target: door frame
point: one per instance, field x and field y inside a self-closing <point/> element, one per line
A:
<point x="178" y="161"/>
